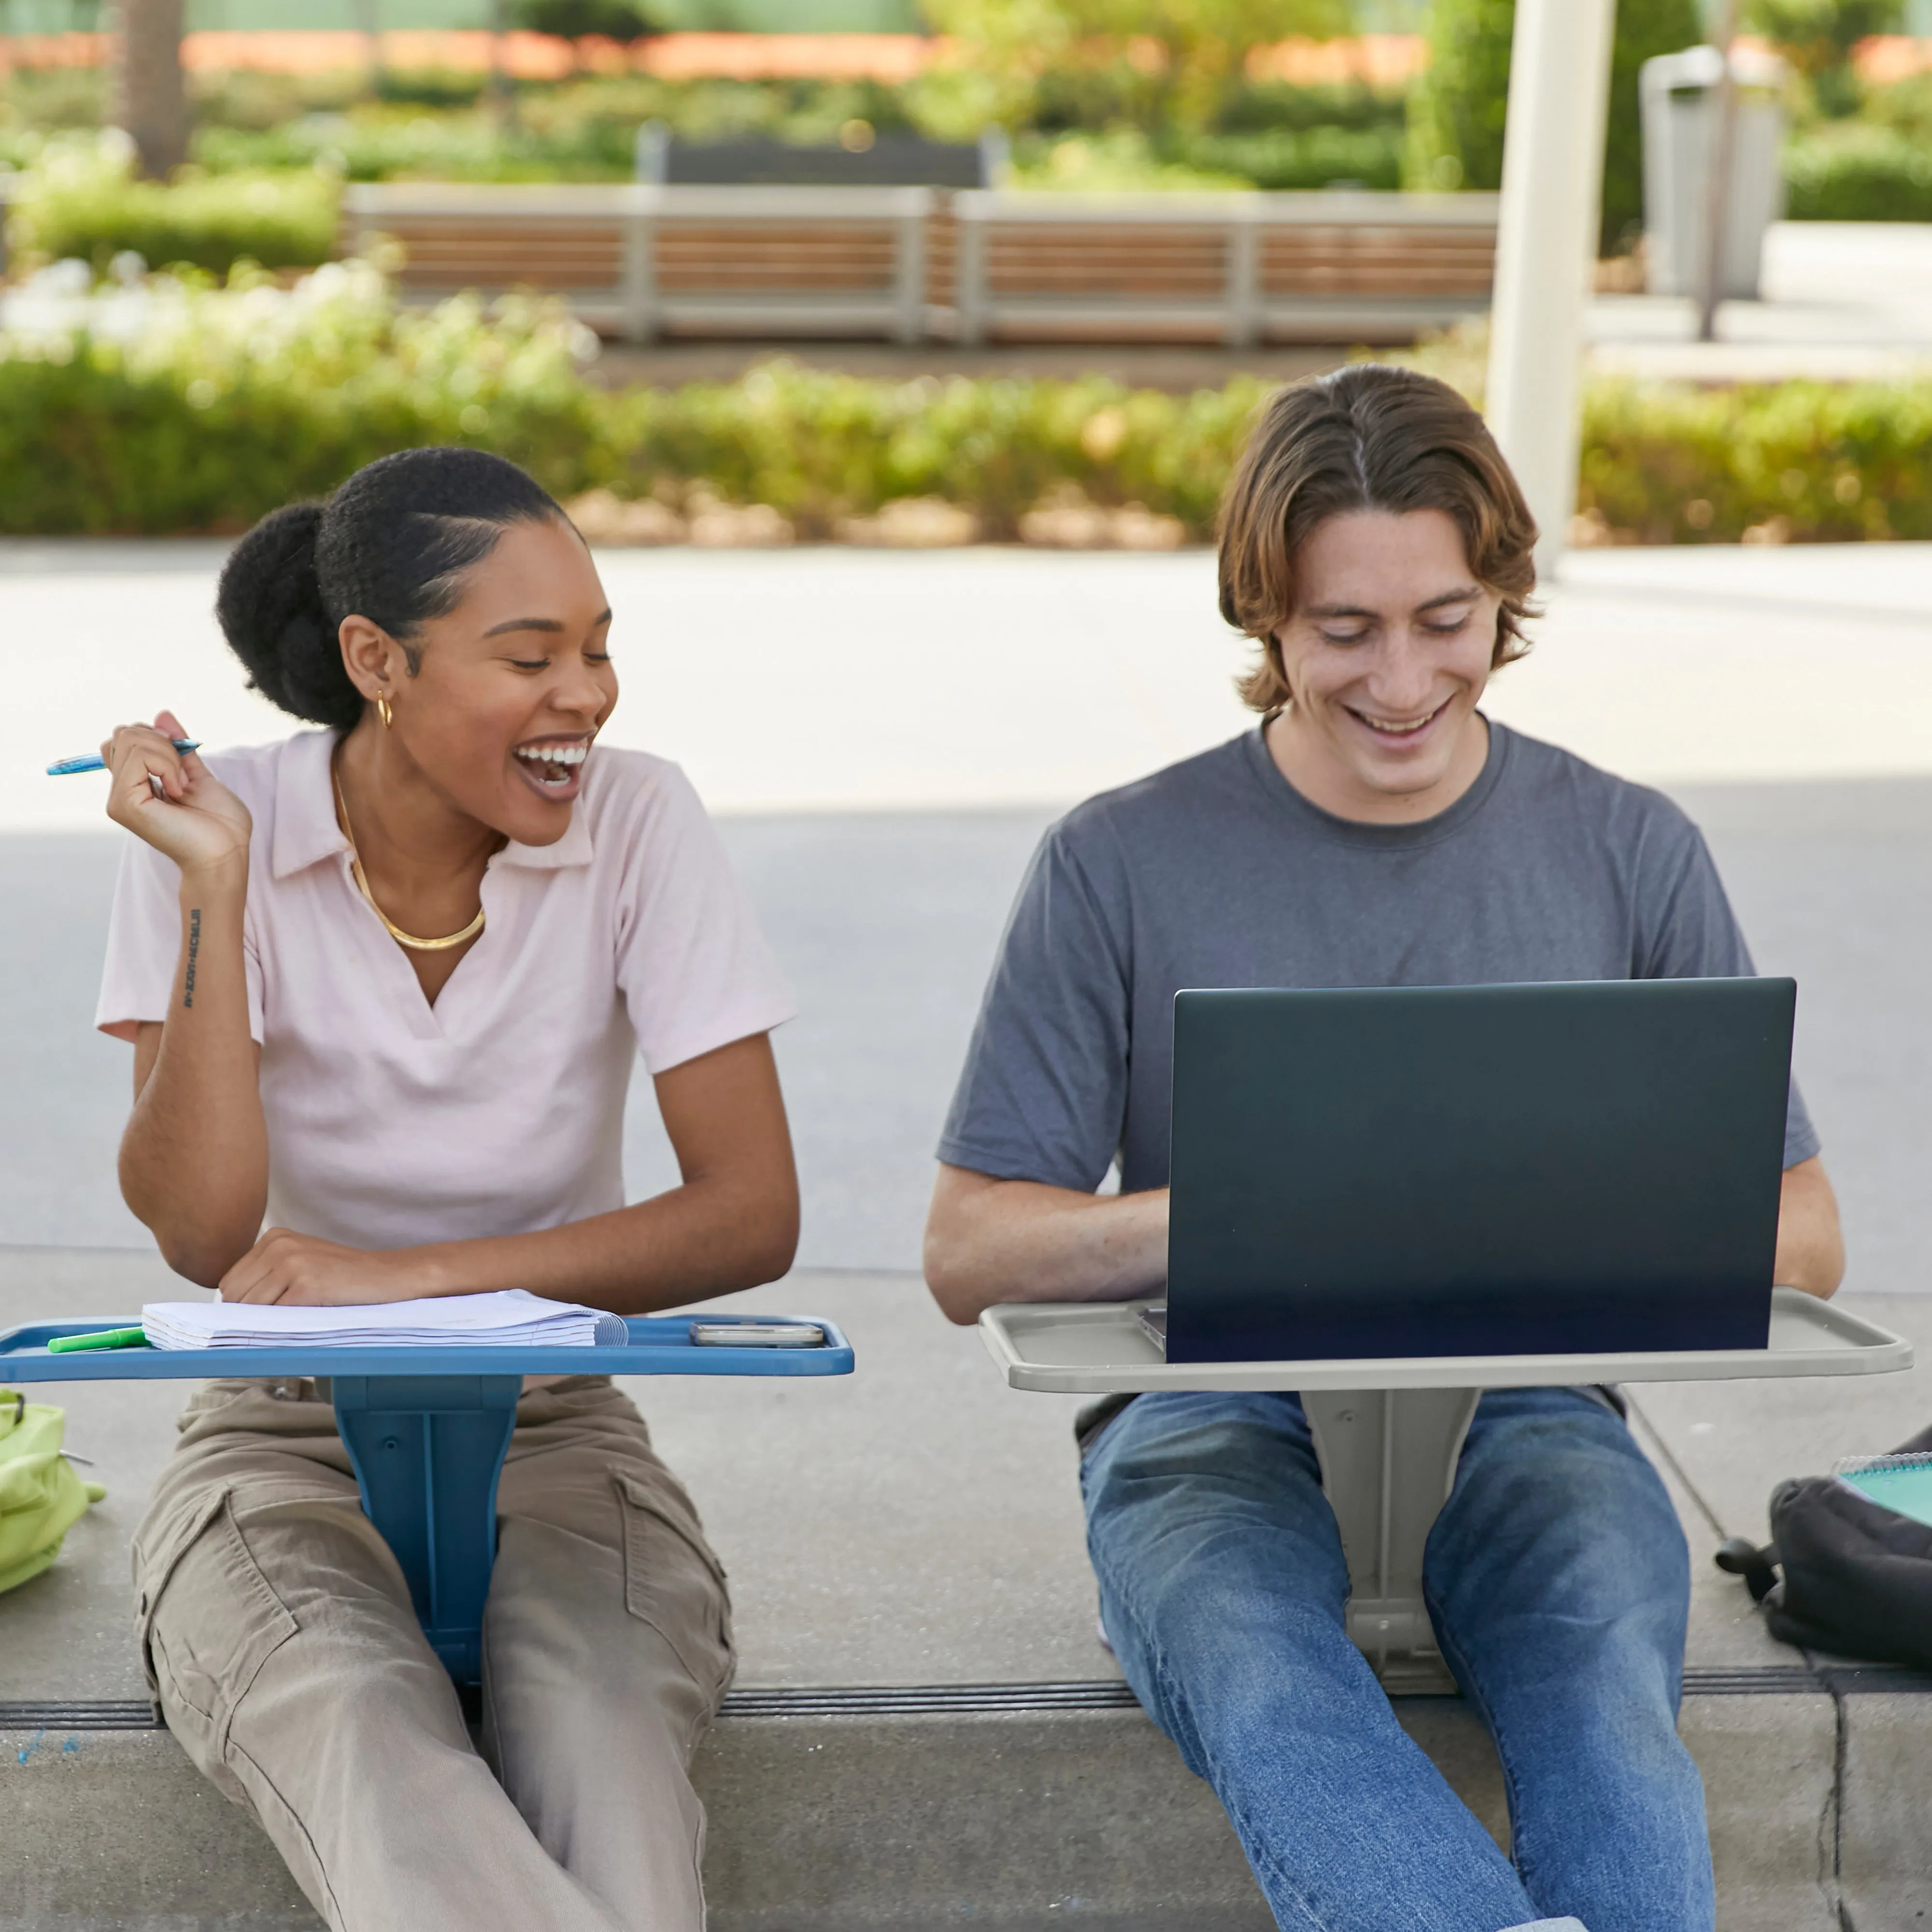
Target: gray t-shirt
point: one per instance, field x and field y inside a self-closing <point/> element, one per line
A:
<point x="1217" y="872"/>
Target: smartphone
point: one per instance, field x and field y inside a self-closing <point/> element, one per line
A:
<point x="756" y="1335"/>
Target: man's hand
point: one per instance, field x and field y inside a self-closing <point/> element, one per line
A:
<point x="1810" y="1248"/>
<point x="306" y="1273"/>
<point x="990" y="1241"/>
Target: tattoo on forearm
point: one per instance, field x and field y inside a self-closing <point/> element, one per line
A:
<point x="194" y="948"/>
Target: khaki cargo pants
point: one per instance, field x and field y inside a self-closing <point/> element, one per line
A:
<point x="278" y="1633"/>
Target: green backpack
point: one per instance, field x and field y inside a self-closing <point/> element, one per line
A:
<point x="41" y="1498"/>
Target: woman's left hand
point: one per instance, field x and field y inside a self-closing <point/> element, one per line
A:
<point x="307" y="1273"/>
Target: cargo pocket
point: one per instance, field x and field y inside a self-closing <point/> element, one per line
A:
<point x="227" y="1626"/>
<point x="673" y="1583"/>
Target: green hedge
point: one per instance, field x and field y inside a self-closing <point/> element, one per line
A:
<point x="223" y="403"/>
<point x="1805" y="462"/>
<point x="1301" y="157"/>
<point x="818" y="446"/>
<point x="582" y="130"/>
<point x="1856" y="172"/>
<point x="79" y="201"/>
<point x="216" y="405"/>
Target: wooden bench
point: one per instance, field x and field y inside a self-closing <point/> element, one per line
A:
<point x="1235" y="268"/>
<point x="907" y="264"/>
<point x="643" y="262"/>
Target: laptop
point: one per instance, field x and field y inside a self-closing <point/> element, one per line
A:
<point x="1574" y="1168"/>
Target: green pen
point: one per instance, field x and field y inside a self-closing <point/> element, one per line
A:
<point x="101" y="1338"/>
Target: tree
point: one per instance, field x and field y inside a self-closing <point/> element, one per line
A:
<point x="1160" y="63"/>
<point x="1817" y="38"/>
<point x="1456" y="110"/>
<point x="145" y="94"/>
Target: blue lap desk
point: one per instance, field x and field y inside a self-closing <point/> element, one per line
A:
<point x="427" y="1429"/>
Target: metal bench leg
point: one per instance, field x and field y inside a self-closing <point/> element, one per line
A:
<point x="427" y="1450"/>
<point x="1388" y="1461"/>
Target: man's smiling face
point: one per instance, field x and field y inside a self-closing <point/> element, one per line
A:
<point x="1386" y="654"/>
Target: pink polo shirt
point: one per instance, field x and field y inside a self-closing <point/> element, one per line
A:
<point x="500" y="1109"/>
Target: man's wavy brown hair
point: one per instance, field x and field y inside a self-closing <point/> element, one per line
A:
<point x="1368" y="437"/>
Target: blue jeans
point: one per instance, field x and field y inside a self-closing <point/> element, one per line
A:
<point x="1558" y="1582"/>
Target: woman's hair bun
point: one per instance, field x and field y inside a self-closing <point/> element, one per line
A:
<point x="395" y="544"/>
<point x="271" y="609"/>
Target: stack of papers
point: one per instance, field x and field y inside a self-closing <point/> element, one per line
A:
<point x="513" y="1317"/>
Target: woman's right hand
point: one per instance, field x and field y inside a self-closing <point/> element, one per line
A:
<point x="194" y="819"/>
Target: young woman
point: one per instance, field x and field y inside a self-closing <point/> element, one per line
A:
<point x="384" y="981"/>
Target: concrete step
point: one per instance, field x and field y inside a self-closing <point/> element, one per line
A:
<point x="1011" y="1807"/>
<point x="917" y="1529"/>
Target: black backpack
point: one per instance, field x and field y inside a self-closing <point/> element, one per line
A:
<point x="1857" y="1576"/>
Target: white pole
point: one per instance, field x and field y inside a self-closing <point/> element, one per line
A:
<point x="1545" y="246"/>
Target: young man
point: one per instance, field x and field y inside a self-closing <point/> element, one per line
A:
<point x="1376" y="830"/>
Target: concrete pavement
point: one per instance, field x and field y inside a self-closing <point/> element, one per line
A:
<point x="1841" y="301"/>
<point x="829" y="680"/>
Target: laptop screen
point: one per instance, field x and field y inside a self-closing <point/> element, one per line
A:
<point x="1476" y="1170"/>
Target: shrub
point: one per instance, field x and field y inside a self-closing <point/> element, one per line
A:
<point x="80" y="201"/>
<point x="1117" y="160"/>
<point x="577" y="19"/>
<point x="1309" y="157"/>
<point x="1056" y="63"/>
<point x="1261" y="107"/>
<point x="1853" y="172"/>
<point x="244" y="97"/>
<point x="1817" y="37"/>
<point x="1905" y="105"/>
<point x="387" y="144"/>
<point x="1804" y="461"/>
<point x="175" y="404"/>
<point x="583" y="131"/>
<point x="431" y="87"/>
<point x="820" y="447"/>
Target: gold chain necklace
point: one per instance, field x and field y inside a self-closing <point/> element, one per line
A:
<point x="394" y="931"/>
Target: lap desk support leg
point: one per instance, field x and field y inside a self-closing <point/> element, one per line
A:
<point x="1388" y="1461"/>
<point x="427" y="1450"/>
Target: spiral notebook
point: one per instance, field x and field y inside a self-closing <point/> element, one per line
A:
<point x="1901" y="1483"/>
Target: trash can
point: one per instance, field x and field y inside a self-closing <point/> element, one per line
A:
<point x="1677" y="94"/>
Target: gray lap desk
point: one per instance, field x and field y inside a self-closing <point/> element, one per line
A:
<point x="427" y="1428"/>
<point x="1388" y="1433"/>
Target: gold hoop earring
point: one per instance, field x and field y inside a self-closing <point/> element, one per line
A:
<point x="383" y="711"/>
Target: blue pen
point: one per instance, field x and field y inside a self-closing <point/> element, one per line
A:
<point x="61" y="767"/>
